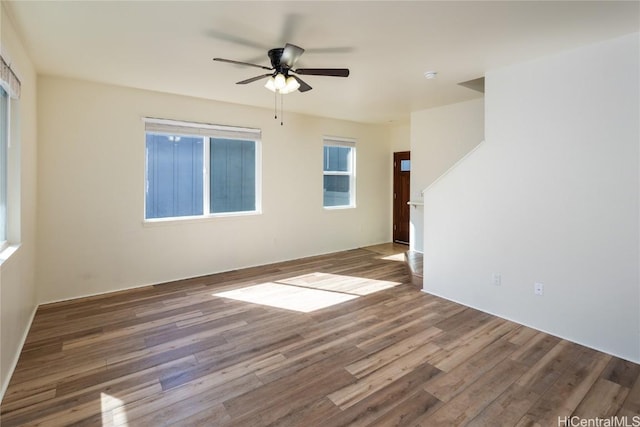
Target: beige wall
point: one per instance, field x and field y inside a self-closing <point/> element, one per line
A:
<point x="91" y="235"/>
<point x="400" y="136"/>
<point x="440" y="137"/>
<point x="17" y="266"/>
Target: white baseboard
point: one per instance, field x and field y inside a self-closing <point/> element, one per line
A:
<point x="519" y="322"/>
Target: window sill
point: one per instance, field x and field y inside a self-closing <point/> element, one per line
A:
<point x="338" y="208"/>
<point x="7" y="252"/>
<point x="196" y="219"/>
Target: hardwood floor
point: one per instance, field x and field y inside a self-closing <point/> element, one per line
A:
<point x="357" y="344"/>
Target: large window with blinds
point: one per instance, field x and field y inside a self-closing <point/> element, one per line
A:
<point x="198" y="170"/>
<point x="339" y="190"/>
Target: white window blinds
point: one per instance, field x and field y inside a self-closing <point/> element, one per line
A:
<point x="8" y="79"/>
<point x="201" y="129"/>
<point x="339" y="141"/>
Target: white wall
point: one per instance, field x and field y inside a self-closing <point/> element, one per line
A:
<point x="439" y="138"/>
<point x="552" y="196"/>
<point x="17" y="265"/>
<point x="91" y="174"/>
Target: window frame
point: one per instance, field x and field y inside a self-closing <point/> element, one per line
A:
<point x="4" y="172"/>
<point x="10" y="168"/>
<point x="332" y="141"/>
<point x="207" y="132"/>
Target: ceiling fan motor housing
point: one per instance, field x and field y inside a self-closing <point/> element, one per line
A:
<point x="275" y="56"/>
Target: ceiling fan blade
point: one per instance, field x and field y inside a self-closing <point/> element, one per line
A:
<point x="289" y="27"/>
<point x="290" y="54"/>
<point x="253" y="79"/>
<point x="230" y="61"/>
<point x="333" y="72"/>
<point x="303" y="86"/>
<point x="337" y="49"/>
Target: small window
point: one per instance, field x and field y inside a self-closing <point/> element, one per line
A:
<point x="339" y="173"/>
<point x="405" y="165"/>
<point x="195" y="170"/>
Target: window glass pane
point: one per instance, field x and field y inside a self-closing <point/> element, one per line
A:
<point x="337" y="159"/>
<point x="233" y="175"/>
<point x="405" y="165"/>
<point x="174" y="176"/>
<point x="336" y="190"/>
<point x="339" y="176"/>
<point x="4" y="135"/>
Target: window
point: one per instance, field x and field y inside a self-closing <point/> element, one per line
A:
<point x="195" y="170"/>
<point x="10" y="88"/>
<point x="339" y="173"/>
<point x="4" y="143"/>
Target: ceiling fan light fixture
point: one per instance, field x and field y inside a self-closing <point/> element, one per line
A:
<point x="278" y="79"/>
<point x="274" y="84"/>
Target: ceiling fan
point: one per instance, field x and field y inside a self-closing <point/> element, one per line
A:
<point x="282" y="75"/>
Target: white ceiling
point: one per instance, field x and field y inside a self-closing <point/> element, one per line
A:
<point x="168" y="46"/>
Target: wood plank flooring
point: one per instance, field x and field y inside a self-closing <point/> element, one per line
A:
<point x="337" y="340"/>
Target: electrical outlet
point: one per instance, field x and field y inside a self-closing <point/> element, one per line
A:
<point x="497" y="279"/>
<point x="538" y="289"/>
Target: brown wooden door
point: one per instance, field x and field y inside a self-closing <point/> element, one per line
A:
<point x="401" y="192"/>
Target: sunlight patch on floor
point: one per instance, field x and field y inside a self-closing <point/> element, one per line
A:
<point x="353" y="285"/>
<point x="107" y="405"/>
<point x="286" y="296"/>
<point x="394" y="257"/>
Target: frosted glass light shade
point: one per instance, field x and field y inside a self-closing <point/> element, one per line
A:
<point x="280" y="81"/>
<point x="270" y="84"/>
<point x="291" y="86"/>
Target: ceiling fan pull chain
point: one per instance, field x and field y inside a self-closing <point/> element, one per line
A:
<point x="281" y="109"/>
<point x="275" y="105"/>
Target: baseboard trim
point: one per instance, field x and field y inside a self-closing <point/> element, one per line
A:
<point x="101" y="293"/>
